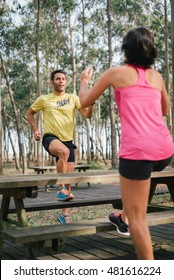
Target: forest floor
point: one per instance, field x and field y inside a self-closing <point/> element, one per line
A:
<point x="82" y="213"/>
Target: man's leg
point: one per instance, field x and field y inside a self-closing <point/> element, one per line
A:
<point x="70" y="168"/>
<point x="59" y="150"/>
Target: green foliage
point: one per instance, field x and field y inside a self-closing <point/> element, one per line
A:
<point x="87" y="21"/>
<point x="95" y="165"/>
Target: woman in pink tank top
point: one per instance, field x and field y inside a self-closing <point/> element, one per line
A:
<point x="146" y="144"/>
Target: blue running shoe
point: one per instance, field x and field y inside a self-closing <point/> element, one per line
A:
<point x="63" y="219"/>
<point x="64" y="195"/>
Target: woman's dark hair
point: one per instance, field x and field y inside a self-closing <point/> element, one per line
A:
<point x="138" y="47"/>
<point x="55" y="72"/>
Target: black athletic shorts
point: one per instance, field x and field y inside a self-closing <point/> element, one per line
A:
<point x="141" y="169"/>
<point x="48" y="138"/>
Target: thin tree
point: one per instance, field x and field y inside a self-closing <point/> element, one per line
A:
<point x="39" y="157"/>
<point x="1" y="157"/>
<point x="172" y="31"/>
<point x="6" y="123"/>
<point x="167" y="68"/>
<point x="17" y="119"/>
<point x="87" y="121"/>
<point x="112" y="106"/>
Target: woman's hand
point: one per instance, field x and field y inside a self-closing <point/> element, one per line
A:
<point x="86" y="75"/>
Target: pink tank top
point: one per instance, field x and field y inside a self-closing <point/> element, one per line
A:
<point x="144" y="135"/>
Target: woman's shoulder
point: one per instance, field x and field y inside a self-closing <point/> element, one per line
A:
<point x="154" y="78"/>
<point x="123" y="76"/>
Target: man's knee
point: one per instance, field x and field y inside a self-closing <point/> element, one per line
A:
<point x="64" y="154"/>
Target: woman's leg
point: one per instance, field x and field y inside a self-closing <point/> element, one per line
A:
<point x="135" y="195"/>
<point x="123" y="216"/>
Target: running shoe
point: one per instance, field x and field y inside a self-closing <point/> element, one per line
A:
<point x="121" y="227"/>
<point x="63" y="219"/>
<point x="64" y="195"/>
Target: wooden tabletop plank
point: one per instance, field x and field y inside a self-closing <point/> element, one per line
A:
<point x="53" y="179"/>
<point x="110" y="176"/>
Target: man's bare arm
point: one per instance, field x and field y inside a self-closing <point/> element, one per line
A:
<point x="31" y="121"/>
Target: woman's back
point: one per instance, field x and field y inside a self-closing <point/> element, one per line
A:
<point x="127" y="75"/>
<point x="144" y="135"/>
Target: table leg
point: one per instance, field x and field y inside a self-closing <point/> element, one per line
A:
<point x="29" y="253"/>
<point x="170" y="185"/>
<point x="167" y="181"/>
<point x="21" y="213"/>
<point x="58" y="244"/>
<point x="152" y="190"/>
<point x="84" y="170"/>
<point x="4" y="207"/>
<point x="1" y="240"/>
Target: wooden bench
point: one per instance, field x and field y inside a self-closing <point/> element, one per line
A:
<point x="116" y="203"/>
<point x="53" y="235"/>
<point x="50" y="205"/>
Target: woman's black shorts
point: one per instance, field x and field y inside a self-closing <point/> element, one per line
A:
<point x="141" y="169"/>
<point x="48" y="138"/>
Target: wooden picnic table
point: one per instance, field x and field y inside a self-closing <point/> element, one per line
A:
<point x="43" y="169"/>
<point x="21" y="186"/>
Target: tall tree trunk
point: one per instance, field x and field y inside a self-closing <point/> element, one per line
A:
<point x="39" y="150"/>
<point x="88" y="125"/>
<point x="74" y="78"/>
<point x="18" y="124"/>
<point x="88" y="128"/>
<point x="112" y="105"/>
<point x="1" y="156"/>
<point x="167" y="69"/>
<point x="172" y="31"/>
<point x="74" y="68"/>
<point x="16" y="158"/>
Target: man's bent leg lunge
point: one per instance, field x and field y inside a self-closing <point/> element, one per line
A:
<point x="62" y="153"/>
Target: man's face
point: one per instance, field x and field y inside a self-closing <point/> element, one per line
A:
<point x="59" y="82"/>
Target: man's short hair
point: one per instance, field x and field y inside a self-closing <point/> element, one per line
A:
<point x="55" y="72"/>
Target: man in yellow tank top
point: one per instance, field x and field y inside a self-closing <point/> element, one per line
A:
<point x="58" y="110"/>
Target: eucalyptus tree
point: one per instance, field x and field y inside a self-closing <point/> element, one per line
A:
<point x="172" y="31"/>
<point x="155" y="16"/>
<point x="1" y="156"/>
<point x="3" y="56"/>
<point x="112" y="105"/>
<point x="71" y="35"/>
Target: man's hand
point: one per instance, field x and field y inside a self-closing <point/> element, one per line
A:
<point x="37" y="135"/>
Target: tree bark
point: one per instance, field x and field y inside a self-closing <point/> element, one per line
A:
<point x="17" y="120"/>
<point x="112" y="105"/>
<point x="88" y="125"/>
<point x="1" y="156"/>
<point x="16" y="158"/>
<point x="167" y="68"/>
<point x="172" y="31"/>
<point x="38" y="119"/>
